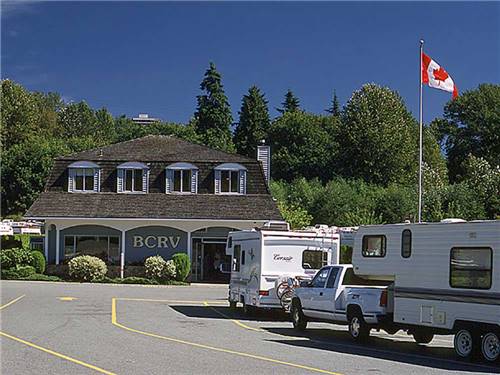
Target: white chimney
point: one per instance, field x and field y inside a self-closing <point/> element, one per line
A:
<point x="264" y="156"/>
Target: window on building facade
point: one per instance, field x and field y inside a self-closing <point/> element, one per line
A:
<point x="132" y="178"/>
<point x="181" y="178"/>
<point x="230" y="178"/>
<point x="106" y="248"/>
<point x="83" y="176"/>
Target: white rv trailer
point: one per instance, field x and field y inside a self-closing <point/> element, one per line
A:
<point x="262" y="258"/>
<point x="446" y="279"/>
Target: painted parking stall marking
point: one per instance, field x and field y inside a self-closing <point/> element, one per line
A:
<point x="115" y="322"/>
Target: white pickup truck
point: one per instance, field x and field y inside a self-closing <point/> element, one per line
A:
<point x="337" y="295"/>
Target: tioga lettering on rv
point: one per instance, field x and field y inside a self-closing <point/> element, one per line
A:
<point x="283" y="258"/>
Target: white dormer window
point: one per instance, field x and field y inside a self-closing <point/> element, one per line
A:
<point x="133" y="177"/>
<point x="230" y="178"/>
<point x="181" y="178"/>
<point x="83" y="177"/>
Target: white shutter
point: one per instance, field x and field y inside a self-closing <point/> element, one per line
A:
<point x="169" y="180"/>
<point x="194" y="181"/>
<point x="119" y="181"/>
<point x="243" y="182"/>
<point x="145" y="180"/>
<point x="71" y="180"/>
<point x="97" y="182"/>
<point x="217" y="181"/>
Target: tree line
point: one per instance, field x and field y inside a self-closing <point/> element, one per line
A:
<point x="354" y="164"/>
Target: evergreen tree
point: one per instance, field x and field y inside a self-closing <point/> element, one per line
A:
<point x="254" y="122"/>
<point x="213" y="115"/>
<point x="291" y="103"/>
<point x="334" y="110"/>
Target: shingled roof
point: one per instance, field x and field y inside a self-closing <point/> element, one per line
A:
<point x="158" y="206"/>
<point x="164" y="148"/>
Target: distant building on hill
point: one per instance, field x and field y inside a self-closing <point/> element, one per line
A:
<point x="144" y="119"/>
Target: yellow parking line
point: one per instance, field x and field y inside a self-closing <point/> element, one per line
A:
<point x="11" y="302"/>
<point x="98" y="369"/>
<point x="213" y="348"/>
<point x="168" y="301"/>
<point x="237" y="322"/>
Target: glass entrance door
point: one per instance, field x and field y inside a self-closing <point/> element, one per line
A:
<point x="210" y="262"/>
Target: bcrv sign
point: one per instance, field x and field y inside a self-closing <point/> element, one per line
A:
<point x="151" y="242"/>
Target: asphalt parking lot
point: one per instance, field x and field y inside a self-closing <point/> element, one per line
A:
<point x="69" y="328"/>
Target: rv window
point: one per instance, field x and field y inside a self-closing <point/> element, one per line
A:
<point x="374" y="246"/>
<point x="471" y="268"/>
<point x="314" y="259"/>
<point x="243" y="257"/>
<point x="406" y="243"/>
<point x="236" y="258"/>
<point x="320" y="278"/>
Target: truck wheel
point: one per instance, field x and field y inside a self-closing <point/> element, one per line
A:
<point x="490" y="347"/>
<point x="465" y="343"/>
<point x="248" y="310"/>
<point x="358" y="329"/>
<point x="423" y="337"/>
<point x="232" y="305"/>
<point x="298" y="318"/>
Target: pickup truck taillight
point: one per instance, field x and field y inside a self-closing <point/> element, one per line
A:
<point x="383" y="299"/>
<point x="263" y="292"/>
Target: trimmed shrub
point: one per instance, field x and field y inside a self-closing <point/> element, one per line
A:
<point x="25" y="271"/>
<point x="40" y="277"/>
<point x="158" y="269"/>
<point x="10" y="274"/>
<point x="182" y="266"/>
<point x="137" y="280"/>
<point x="87" y="268"/>
<point x="11" y="258"/>
<point x="38" y="262"/>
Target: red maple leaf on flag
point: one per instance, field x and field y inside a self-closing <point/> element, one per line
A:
<point x="440" y="74"/>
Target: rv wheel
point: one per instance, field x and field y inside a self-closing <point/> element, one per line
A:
<point x="464" y="343"/>
<point x="232" y="305"/>
<point x="298" y="318"/>
<point x="248" y="310"/>
<point x="423" y="337"/>
<point x="490" y="347"/>
<point x="358" y="329"/>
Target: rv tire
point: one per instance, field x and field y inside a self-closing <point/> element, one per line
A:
<point x="232" y="305"/>
<point x="358" y="329"/>
<point x="423" y="337"/>
<point x="299" y="320"/>
<point x="466" y="344"/>
<point x="490" y="347"/>
<point x="248" y="310"/>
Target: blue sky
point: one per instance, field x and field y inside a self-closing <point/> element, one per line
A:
<point x="150" y="57"/>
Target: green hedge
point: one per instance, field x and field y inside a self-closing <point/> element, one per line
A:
<point x="182" y="266"/>
<point x="38" y="261"/>
<point x="12" y="258"/>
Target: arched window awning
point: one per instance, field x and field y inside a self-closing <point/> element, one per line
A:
<point x="133" y="165"/>
<point x="83" y="164"/>
<point x="182" y="166"/>
<point x="230" y="167"/>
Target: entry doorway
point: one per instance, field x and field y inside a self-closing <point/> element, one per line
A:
<point x="210" y="262"/>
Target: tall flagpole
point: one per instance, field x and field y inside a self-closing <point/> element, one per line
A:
<point x="420" y="140"/>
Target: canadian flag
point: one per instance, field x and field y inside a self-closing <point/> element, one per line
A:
<point x="435" y="76"/>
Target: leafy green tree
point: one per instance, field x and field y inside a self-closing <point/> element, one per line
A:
<point x="25" y="168"/>
<point x="19" y="114"/>
<point x="254" y="123"/>
<point x="291" y="103"/>
<point x="303" y="146"/>
<point x="213" y="117"/>
<point x="334" y="109"/>
<point x="472" y="127"/>
<point x="295" y="215"/>
<point x="377" y="137"/>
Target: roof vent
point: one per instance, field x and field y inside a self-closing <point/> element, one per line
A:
<point x="276" y="225"/>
